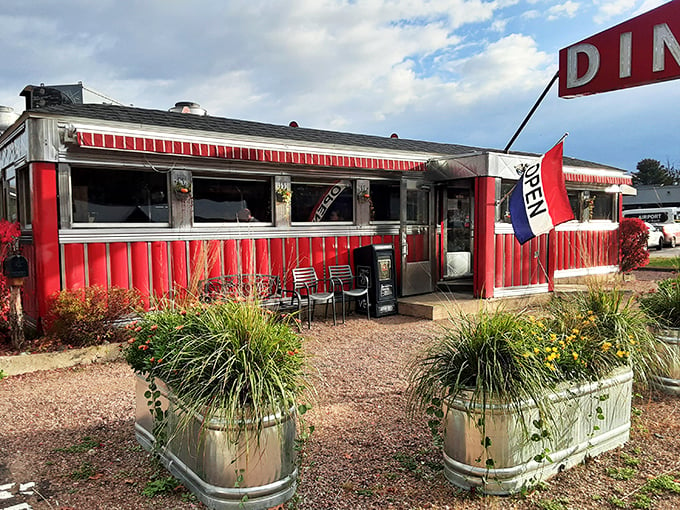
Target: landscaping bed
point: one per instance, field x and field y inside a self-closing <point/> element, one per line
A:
<point x="71" y="431"/>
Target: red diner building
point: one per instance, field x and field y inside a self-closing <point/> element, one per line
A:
<point x="114" y="195"/>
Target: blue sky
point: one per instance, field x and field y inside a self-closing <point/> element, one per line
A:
<point x="456" y="71"/>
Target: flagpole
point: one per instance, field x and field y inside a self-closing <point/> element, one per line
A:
<point x="526" y="119"/>
<point x="513" y="188"/>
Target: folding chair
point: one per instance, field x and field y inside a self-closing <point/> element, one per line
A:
<point x="307" y="285"/>
<point x="350" y="286"/>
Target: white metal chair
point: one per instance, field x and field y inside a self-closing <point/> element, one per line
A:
<point x="349" y="286"/>
<point x="309" y="288"/>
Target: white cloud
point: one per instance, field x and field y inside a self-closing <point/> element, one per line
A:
<point x="648" y="5"/>
<point x="567" y="9"/>
<point x="608" y="9"/>
<point x="513" y="63"/>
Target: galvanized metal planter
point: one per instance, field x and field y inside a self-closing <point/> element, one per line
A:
<point x="574" y="435"/>
<point x="669" y="382"/>
<point x="254" y="475"/>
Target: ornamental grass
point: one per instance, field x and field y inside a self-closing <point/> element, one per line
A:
<point x="515" y="359"/>
<point x="228" y="360"/>
<point x="663" y="304"/>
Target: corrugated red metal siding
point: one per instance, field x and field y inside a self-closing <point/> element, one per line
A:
<point x="159" y="268"/>
<point x="518" y="265"/>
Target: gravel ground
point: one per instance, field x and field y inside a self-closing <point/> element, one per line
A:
<point x="71" y="432"/>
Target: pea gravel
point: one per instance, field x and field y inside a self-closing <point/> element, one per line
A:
<point x="70" y="431"/>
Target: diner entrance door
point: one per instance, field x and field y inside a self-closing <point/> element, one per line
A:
<point x="458" y="229"/>
<point x="416" y="240"/>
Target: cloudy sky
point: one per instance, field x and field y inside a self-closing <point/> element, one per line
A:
<point x="457" y="71"/>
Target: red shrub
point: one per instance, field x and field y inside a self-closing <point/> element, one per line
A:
<point x="633" y="251"/>
<point x="9" y="234"/>
<point x="91" y="316"/>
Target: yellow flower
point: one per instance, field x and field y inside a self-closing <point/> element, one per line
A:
<point x="554" y="349"/>
<point x="605" y="346"/>
<point x="622" y="354"/>
<point x="553" y="337"/>
<point x="548" y="349"/>
<point x="575" y="331"/>
<point x="536" y="350"/>
<point x="575" y="355"/>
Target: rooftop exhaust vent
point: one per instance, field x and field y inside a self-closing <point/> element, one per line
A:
<point x="394" y="135"/>
<point x="7" y="117"/>
<point x="188" y="107"/>
<point x="292" y="123"/>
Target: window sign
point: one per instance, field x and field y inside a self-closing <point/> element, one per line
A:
<point x="322" y="202"/>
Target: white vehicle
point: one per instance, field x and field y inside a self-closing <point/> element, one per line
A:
<point x="666" y="219"/>
<point x="655" y="239"/>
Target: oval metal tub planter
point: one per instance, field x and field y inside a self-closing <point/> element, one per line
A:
<point x="669" y="382"/>
<point x="588" y="419"/>
<point x="256" y="473"/>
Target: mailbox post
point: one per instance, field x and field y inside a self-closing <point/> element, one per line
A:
<point x="15" y="269"/>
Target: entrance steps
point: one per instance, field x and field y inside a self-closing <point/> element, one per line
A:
<point x="443" y="305"/>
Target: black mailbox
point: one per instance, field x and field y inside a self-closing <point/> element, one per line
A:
<point x="15" y="266"/>
<point x="376" y="262"/>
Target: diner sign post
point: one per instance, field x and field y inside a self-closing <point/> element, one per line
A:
<point x="639" y="51"/>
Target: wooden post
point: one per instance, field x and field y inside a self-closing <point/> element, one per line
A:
<point x="16" y="314"/>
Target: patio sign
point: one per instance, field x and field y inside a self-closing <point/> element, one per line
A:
<point x="639" y="51"/>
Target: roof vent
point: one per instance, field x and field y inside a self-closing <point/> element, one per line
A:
<point x="188" y="107"/>
<point x="7" y="117"/>
<point x="394" y="135"/>
<point x="292" y="123"/>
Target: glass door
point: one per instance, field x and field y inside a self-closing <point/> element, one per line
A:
<point x="459" y="231"/>
<point x="416" y="238"/>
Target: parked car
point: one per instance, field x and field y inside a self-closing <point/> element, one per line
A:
<point x="655" y="238"/>
<point x="667" y="219"/>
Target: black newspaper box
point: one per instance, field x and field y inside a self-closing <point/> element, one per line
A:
<point x="376" y="262"/>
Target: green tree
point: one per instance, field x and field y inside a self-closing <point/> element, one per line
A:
<point x="651" y="171"/>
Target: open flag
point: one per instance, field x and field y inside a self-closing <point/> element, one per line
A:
<point x="539" y="202"/>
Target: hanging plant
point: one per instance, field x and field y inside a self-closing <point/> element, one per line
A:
<point x="363" y="195"/>
<point x="182" y="188"/>
<point x="283" y="195"/>
<point x="589" y="206"/>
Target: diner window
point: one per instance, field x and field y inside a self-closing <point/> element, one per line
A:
<point x="417" y="202"/>
<point x="575" y="203"/>
<point x="503" y="200"/>
<point x="11" y="211"/>
<point x="118" y="196"/>
<point x="385" y="200"/>
<point x="218" y="200"/>
<point x="322" y="201"/>
<point x="600" y="205"/>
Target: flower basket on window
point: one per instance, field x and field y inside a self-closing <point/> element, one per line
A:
<point x="182" y="188"/>
<point x="363" y="195"/>
<point x="283" y="195"/>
